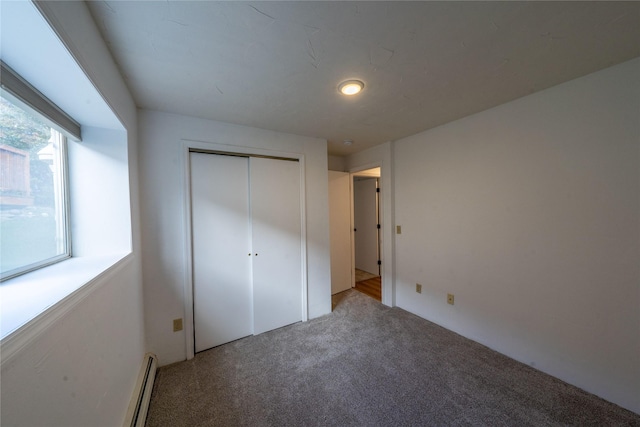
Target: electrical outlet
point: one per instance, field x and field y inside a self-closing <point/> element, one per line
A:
<point x="177" y="325"/>
<point x="418" y="288"/>
<point x="398" y="229"/>
<point x="450" y="299"/>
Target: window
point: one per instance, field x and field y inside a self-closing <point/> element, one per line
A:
<point x="34" y="219"/>
<point x="100" y="210"/>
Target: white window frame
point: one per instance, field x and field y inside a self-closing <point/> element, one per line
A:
<point x="22" y="94"/>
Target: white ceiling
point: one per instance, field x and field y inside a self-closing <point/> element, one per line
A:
<point x="276" y="65"/>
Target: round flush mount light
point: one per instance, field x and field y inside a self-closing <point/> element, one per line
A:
<point x="348" y="142"/>
<point x="350" y="87"/>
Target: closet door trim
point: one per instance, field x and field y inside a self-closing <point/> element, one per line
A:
<point x="232" y="150"/>
<point x="227" y="153"/>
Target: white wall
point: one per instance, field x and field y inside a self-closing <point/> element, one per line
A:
<point x="163" y="199"/>
<point x="336" y="163"/>
<point x="99" y="206"/>
<point x="81" y="369"/>
<point x="530" y="214"/>
<point x="381" y="156"/>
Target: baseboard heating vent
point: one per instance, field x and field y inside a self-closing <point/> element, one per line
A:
<point x="137" y="412"/>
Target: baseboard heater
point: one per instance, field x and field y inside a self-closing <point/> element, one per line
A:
<point x="137" y="412"/>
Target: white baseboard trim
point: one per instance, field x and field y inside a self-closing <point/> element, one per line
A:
<point x="139" y="405"/>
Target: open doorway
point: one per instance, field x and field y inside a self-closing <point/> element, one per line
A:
<point x="367" y="254"/>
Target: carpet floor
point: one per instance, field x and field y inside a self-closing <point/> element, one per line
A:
<point x="366" y="364"/>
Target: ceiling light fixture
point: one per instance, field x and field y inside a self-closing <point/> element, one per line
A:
<point x="348" y="142"/>
<point x="350" y="87"/>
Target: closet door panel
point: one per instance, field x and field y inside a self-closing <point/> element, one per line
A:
<point x="277" y="260"/>
<point x="221" y="239"/>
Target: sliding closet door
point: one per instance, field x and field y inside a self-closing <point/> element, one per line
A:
<point x="277" y="260"/>
<point x="222" y="291"/>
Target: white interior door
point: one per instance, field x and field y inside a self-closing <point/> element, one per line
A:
<point x="277" y="253"/>
<point x="365" y="221"/>
<point x="221" y="240"/>
<point x="340" y="229"/>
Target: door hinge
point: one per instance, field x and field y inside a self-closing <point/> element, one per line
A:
<point x="379" y="262"/>
<point x="378" y="190"/>
<point x="378" y="226"/>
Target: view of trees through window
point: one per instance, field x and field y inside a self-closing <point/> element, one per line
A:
<point x="32" y="211"/>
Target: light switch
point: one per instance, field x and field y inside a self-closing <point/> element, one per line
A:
<point x="398" y="229"/>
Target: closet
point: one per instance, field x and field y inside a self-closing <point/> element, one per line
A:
<point x="246" y="246"/>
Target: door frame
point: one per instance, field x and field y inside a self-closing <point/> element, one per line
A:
<point x="385" y="287"/>
<point x="356" y="179"/>
<point x="212" y="147"/>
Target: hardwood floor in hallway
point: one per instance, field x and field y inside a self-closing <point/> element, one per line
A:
<point x="371" y="286"/>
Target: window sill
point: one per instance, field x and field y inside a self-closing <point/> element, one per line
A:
<point x="31" y="302"/>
